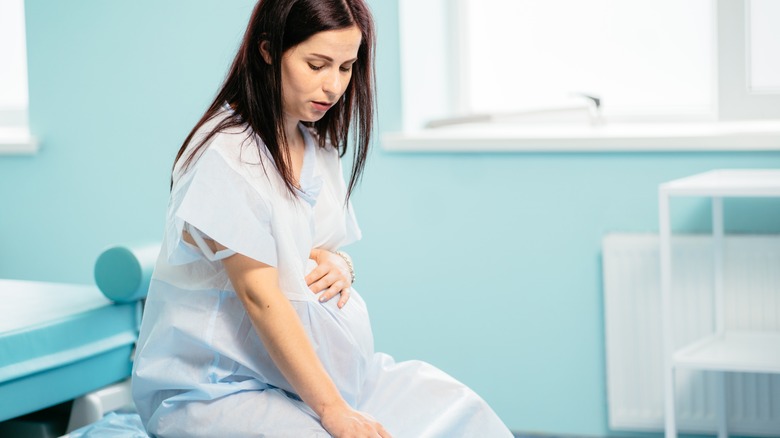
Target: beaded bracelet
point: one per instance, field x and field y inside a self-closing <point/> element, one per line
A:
<point x="348" y="261"/>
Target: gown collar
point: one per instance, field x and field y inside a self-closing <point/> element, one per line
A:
<point x="310" y="180"/>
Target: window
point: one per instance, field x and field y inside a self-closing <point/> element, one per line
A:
<point x="764" y="46"/>
<point x="638" y="57"/>
<point x="530" y="62"/>
<point x="14" y="131"/>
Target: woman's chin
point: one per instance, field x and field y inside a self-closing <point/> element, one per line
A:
<point x="313" y="118"/>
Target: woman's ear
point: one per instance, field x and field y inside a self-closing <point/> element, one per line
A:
<point x="264" y="52"/>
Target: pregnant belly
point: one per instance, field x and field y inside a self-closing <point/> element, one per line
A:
<point x="212" y="341"/>
<point x="342" y="339"/>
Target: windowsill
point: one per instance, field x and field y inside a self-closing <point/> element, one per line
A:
<point x="17" y="141"/>
<point x="751" y="135"/>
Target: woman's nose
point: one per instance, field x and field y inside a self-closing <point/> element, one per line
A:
<point x="332" y="83"/>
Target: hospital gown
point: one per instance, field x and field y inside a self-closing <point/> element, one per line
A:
<point x="200" y="367"/>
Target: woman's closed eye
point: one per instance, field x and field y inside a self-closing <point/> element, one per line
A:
<point x="343" y="68"/>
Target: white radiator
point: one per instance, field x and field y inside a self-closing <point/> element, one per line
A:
<point x="633" y="330"/>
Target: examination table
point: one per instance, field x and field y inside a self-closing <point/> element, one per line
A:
<point x="59" y="342"/>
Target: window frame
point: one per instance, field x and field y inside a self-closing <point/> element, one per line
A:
<point x="15" y="136"/>
<point x="738" y="121"/>
<point x="735" y="99"/>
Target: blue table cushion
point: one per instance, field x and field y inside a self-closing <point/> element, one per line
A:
<point x="60" y="341"/>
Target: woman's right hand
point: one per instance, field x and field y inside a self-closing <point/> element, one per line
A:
<point x="349" y="423"/>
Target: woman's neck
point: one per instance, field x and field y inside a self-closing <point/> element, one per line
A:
<point x="293" y="136"/>
<point x="296" y="147"/>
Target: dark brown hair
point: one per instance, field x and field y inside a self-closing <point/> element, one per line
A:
<point x="254" y="88"/>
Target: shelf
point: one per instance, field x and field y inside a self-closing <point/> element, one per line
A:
<point x="725" y="351"/>
<point x="738" y="351"/>
<point x="727" y="182"/>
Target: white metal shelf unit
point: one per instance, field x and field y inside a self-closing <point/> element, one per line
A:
<point x="723" y="351"/>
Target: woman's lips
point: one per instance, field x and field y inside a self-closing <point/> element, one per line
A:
<point x="321" y="106"/>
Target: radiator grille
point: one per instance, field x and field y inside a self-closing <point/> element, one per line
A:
<point x="633" y="330"/>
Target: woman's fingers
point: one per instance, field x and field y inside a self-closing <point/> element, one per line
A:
<point x="323" y="283"/>
<point x="382" y="432"/>
<point x="324" y="276"/>
<point x="315" y="275"/>
<point x="353" y="424"/>
<point x="345" y="293"/>
<point x="329" y="277"/>
<point x="336" y="288"/>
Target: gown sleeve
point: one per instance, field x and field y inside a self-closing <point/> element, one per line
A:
<point x="214" y="201"/>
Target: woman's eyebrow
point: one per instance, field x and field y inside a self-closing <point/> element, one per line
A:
<point x="329" y="59"/>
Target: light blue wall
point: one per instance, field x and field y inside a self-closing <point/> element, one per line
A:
<point x="487" y="265"/>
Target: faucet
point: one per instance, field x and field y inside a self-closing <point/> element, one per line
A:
<point x="594" y="110"/>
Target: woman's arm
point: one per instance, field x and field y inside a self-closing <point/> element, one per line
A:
<point x="280" y="329"/>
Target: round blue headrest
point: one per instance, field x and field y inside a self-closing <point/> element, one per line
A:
<point x="123" y="273"/>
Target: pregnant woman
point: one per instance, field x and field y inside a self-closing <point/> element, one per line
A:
<point x="251" y="326"/>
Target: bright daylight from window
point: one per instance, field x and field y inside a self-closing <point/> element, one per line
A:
<point x="589" y="75"/>
<point x="14" y="131"/>
<point x="641" y="58"/>
<point x="13" y="68"/>
<point x="764" y="39"/>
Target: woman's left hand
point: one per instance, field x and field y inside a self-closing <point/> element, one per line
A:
<point x="332" y="275"/>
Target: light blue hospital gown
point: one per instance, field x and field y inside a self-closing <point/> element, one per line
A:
<point x="201" y="369"/>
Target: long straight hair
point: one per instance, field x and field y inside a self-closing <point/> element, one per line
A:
<point x="254" y="88"/>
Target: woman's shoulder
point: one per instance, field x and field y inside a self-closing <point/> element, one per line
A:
<point x="236" y="145"/>
<point x="228" y="136"/>
<point x="228" y="162"/>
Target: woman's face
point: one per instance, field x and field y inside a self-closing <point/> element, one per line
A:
<point x="316" y="72"/>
